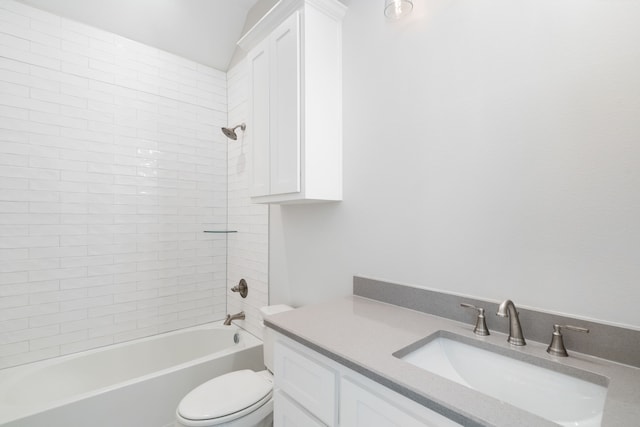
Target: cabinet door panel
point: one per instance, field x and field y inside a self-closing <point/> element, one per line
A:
<point x="258" y="127"/>
<point x="286" y="413"/>
<point x="309" y="383"/>
<point x="360" y="407"/>
<point x="285" y="107"/>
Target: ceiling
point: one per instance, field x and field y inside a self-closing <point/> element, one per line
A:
<point x="205" y="31"/>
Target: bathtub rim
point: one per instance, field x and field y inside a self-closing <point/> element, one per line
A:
<point x="9" y="376"/>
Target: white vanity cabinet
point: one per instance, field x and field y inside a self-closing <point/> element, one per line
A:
<point x="294" y="128"/>
<point x="313" y="390"/>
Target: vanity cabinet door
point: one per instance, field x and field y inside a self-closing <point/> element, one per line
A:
<point x="375" y="406"/>
<point x="308" y="382"/>
<point x="287" y="413"/>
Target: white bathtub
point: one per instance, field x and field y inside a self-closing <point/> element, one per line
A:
<point x="133" y="384"/>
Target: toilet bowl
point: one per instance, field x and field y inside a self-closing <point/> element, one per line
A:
<point x="241" y="398"/>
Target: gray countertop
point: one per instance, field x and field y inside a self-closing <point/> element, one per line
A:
<point x="363" y="334"/>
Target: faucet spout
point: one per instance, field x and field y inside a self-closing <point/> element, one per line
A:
<point x="508" y="309"/>
<point x="230" y="317"/>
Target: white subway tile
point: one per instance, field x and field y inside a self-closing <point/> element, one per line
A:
<point x="87" y="72"/>
<point x="86" y="282"/>
<point x="105" y="189"/>
<point x="59" y="56"/>
<point x="87" y="30"/>
<point x="86" y="344"/>
<point x="14" y="254"/>
<point x="57" y="98"/>
<point x="83" y="261"/>
<point x="13" y="301"/>
<point x="86" y="303"/>
<point x="8" y="185"/>
<point x="59" y="77"/>
<point x="58" y="120"/>
<point x="7" y="88"/>
<point x="57" y="252"/>
<point x="56" y="274"/>
<point x="28" y="311"/>
<point x="13" y="159"/>
<point x="92" y="116"/>
<point x="43" y="39"/>
<point x="47" y="162"/>
<point x="14" y="278"/>
<point x="13" y="325"/>
<point x="27" y="265"/>
<point x="111" y="309"/>
<point x="28" y="103"/>
<point x="57" y="31"/>
<point x="57" y="296"/>
<point x="31" y="12"/>
<point x="31" y="356"/>
<point x="7" y="16"/>
<point x="108" y="269"/>
<point x="12" y="349"/>
<point x="29" y="57"/>
<point x="56" y="317"/>
<point x="57" y="340"/>
<point x="137" y="333"/>
<point x="85" y="324"/>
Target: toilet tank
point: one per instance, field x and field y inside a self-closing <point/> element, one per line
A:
<point x="268" y="335"/>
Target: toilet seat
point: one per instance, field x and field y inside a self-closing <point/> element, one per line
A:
<point x="226" y="398"/>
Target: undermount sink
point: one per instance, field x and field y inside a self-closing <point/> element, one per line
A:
<point x="542" y="390"/>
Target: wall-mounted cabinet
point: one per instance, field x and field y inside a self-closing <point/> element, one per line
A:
<point x="294" y="127"/>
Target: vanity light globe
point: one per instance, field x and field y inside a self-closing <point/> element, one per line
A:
<point x="396" y="9"/>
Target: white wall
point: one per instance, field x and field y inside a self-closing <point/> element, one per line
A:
<point x="248" y="249"/>
<point x="111" y="166"/>
<point x="490" y="149"/>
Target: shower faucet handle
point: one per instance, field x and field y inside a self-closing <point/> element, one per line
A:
<point x="557" y="348"/>
<point x="241" y="287"/>
<point x="481" y="323"/>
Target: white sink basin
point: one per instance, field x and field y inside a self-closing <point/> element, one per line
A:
<point x="558" y="397"/>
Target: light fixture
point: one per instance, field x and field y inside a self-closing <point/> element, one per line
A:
<point x="396" y="9"/>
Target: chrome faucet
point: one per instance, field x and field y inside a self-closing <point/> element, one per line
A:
<point x="230" y="317"/>
<point x="507" y="308"/>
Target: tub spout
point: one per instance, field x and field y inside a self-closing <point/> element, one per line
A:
<point x="230" y="317"/>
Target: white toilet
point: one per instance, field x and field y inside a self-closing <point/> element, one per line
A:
<point x="238" y="399"/>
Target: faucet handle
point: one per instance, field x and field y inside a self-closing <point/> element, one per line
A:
<point x="481" y="324"/>
<point x="242" y="288"/>
<point x="557" y="348"/>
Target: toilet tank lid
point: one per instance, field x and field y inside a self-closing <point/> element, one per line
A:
<point x="225" y="395"/>
<point x="274" y="309"/>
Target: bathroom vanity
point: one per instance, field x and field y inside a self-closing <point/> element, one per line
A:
<point x="313" y="390"/>
<point x="342" y="363"/>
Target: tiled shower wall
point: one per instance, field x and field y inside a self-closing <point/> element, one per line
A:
<point x="111" y="166"/>
<point x="248" y="250"/>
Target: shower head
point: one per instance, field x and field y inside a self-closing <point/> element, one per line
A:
<point x="231" y="132"/>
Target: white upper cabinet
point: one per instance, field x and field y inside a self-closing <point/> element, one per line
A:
<point x="295" y="102"/>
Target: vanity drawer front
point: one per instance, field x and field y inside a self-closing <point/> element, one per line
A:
<point x="306" y="381"/>
<point x="286" y="413"/>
